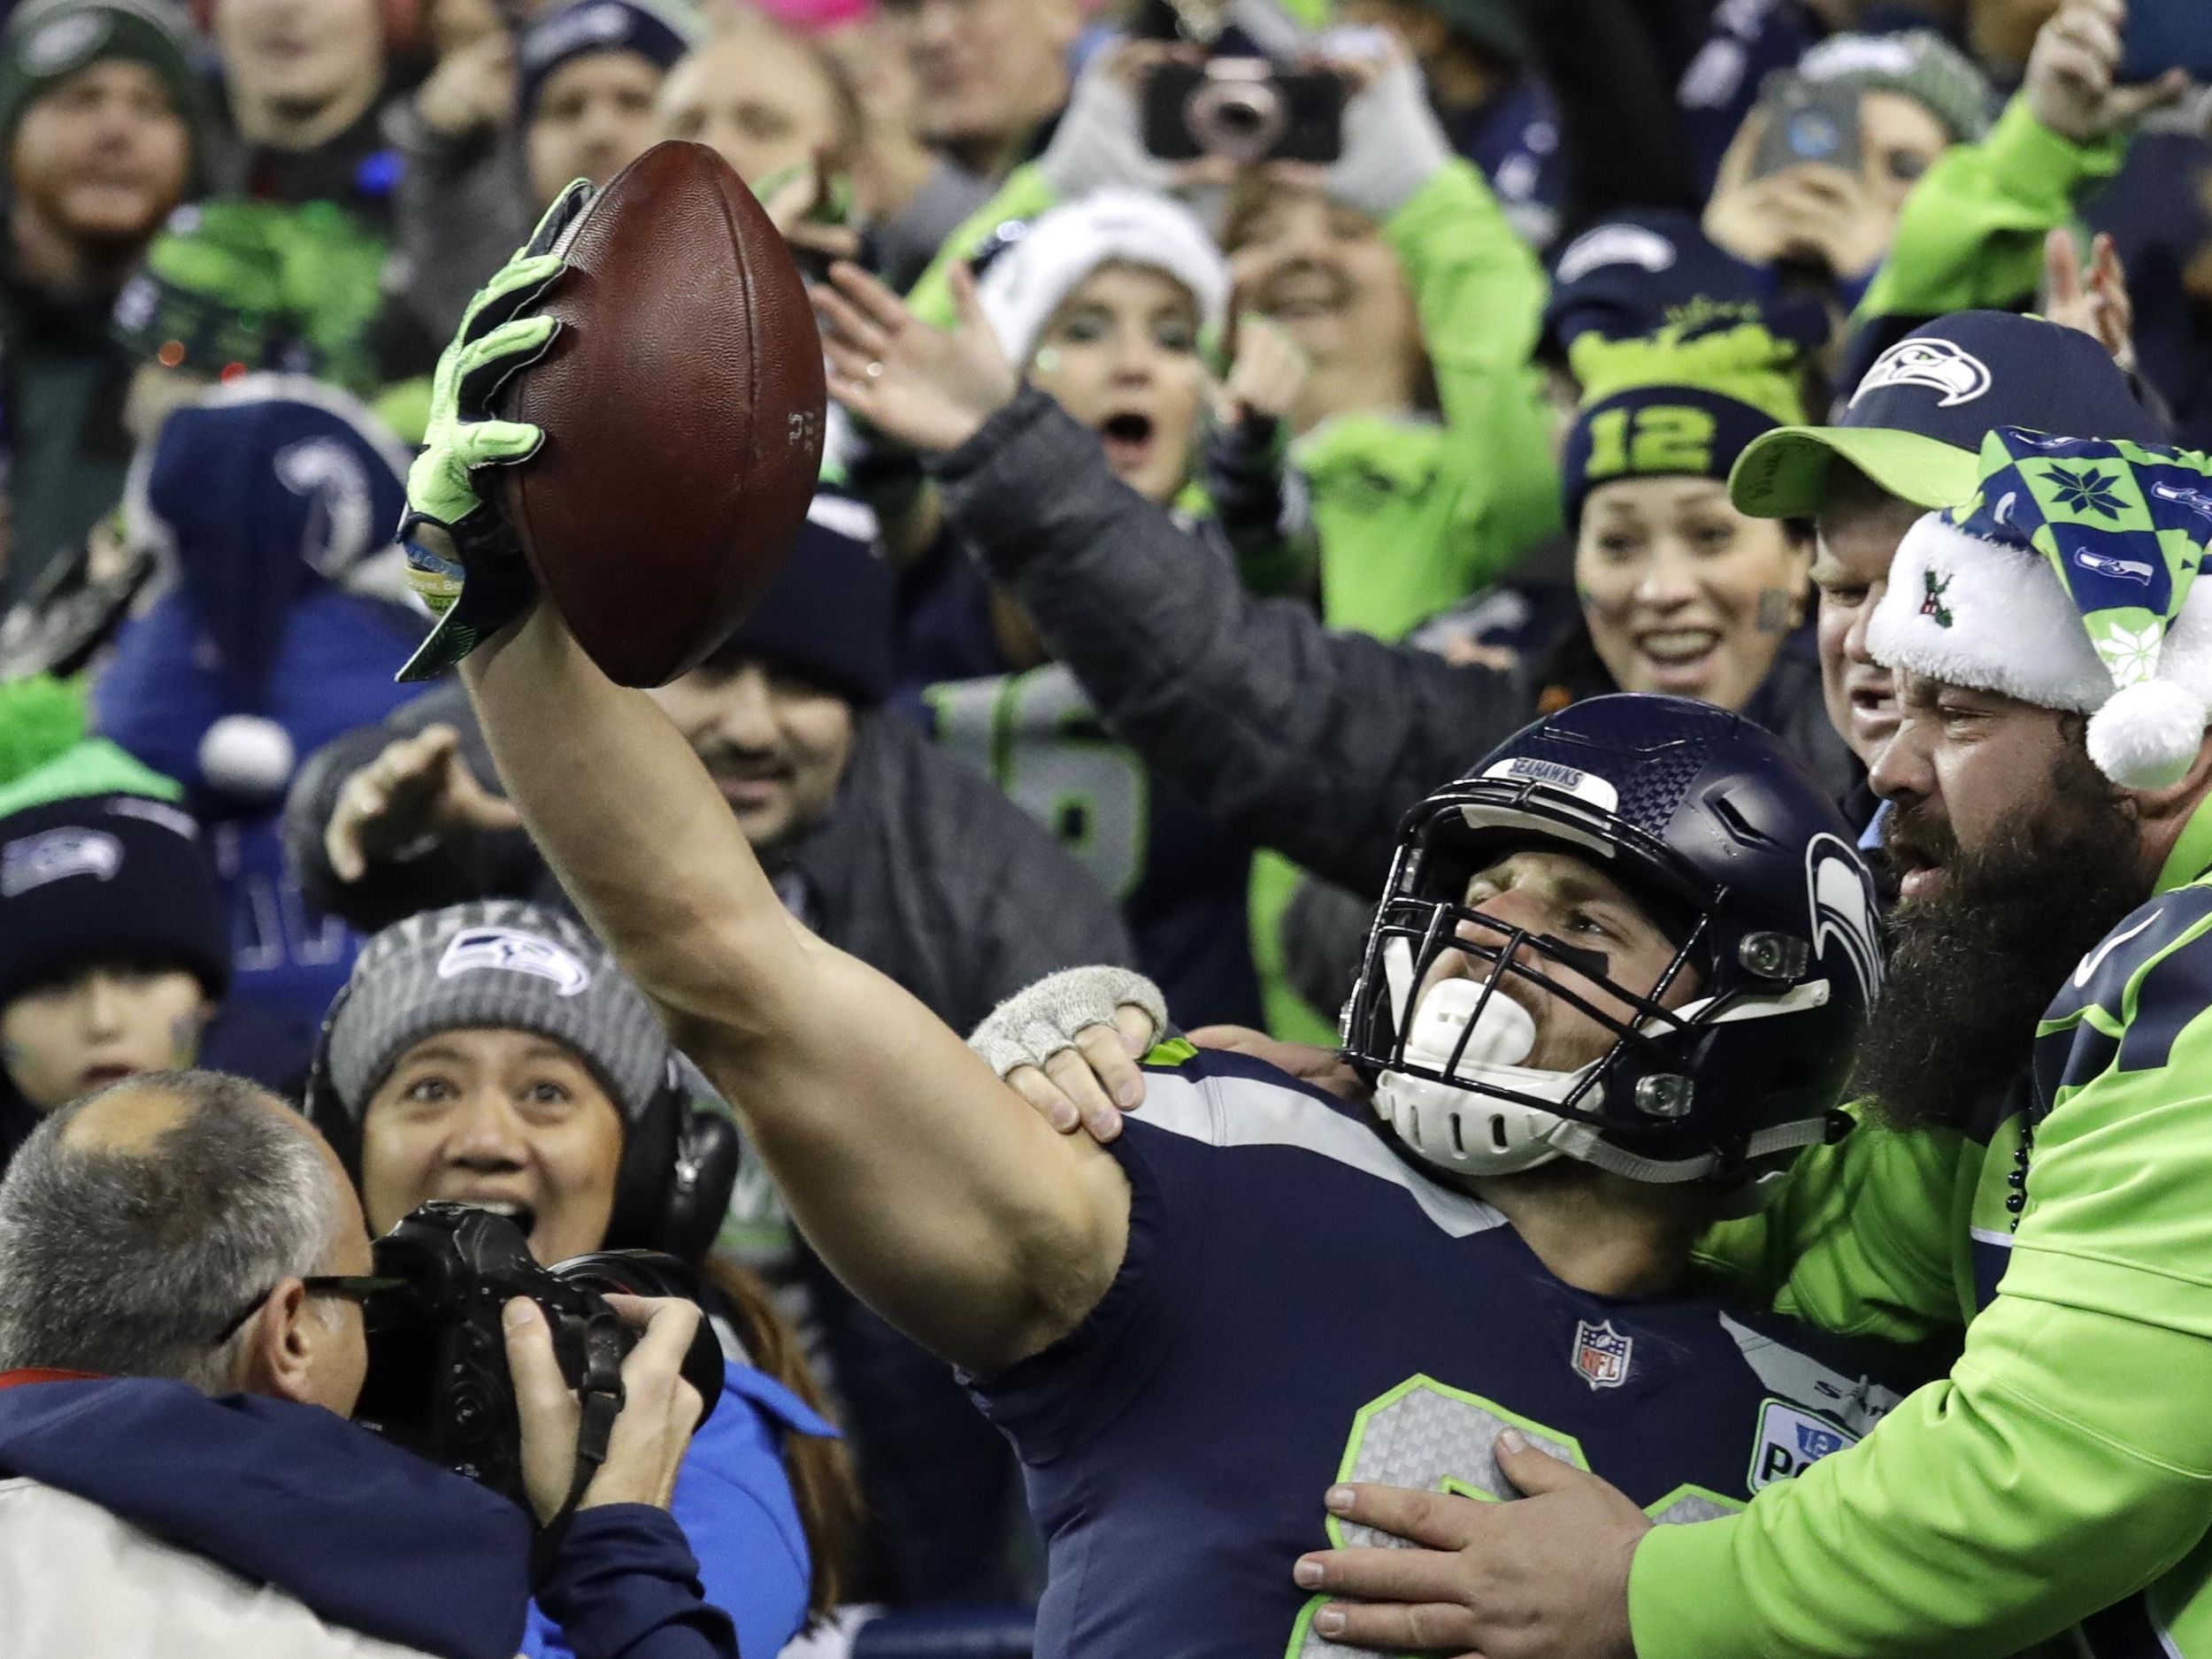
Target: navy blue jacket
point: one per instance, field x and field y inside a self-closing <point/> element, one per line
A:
<point x="733" y="1502"/>
<point x="366" y="1536"/>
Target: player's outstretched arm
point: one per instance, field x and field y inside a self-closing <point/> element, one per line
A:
<point x="927" y="1184"/>
<point x="924" y="1181"/>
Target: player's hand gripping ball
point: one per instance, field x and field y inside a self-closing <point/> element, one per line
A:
<point x="477" y="580"/>
<point x="656" y="459"/>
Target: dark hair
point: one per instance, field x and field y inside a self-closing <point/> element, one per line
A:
<point x="127" y="1261"/>
<point x="821" y="1472"/>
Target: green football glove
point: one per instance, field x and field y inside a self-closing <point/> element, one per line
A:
<point x="485" y="583"/>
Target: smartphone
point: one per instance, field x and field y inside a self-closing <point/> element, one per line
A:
<point x="1244" y="108"/>
<point x="2164" y="34"/>
<point x="1809" y="121"/>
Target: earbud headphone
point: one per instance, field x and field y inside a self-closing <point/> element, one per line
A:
<point x="671" y="1190"/>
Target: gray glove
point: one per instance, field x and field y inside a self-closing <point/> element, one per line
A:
<point x="1031" y="1026"/>
<point x="1100" y="141"/>
<point x="1393" y="145"/>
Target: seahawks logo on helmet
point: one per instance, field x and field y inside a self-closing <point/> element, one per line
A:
<point x="1842" y="902"/>
<point x="1937" y="364"/>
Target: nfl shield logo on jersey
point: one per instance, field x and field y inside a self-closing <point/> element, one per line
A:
<point x="1601" y="1354"/>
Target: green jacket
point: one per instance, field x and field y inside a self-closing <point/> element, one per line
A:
<point x="2063" y="1469"/>
<point x="1971" y="233"/>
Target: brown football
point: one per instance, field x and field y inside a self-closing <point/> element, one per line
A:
<point x="681" y="404"/>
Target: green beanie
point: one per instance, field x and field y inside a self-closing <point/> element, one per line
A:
<point x="48" y="41"/>
<point x="41" y="719"/>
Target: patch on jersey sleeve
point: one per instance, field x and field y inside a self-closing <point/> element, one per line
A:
<point x="1790" y="1441"/>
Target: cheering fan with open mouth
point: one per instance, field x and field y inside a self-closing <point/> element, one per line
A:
<point x="491" y="1053"/>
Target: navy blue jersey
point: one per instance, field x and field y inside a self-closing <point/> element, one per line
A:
<point x="1299" y="1306"/>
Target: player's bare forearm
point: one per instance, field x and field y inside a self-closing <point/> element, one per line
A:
<point x="926" y="1184"/>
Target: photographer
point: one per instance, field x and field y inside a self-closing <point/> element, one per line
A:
<point x="181" y="1261"/>
<point x="492" y="1054"/>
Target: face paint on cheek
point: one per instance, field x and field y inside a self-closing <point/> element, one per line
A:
<point x="1778" y="612"/>
<point x="1047" y="361"/>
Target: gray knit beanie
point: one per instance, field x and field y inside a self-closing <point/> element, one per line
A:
<point x="1919" y="64"/>
<point x="499" y="965"/>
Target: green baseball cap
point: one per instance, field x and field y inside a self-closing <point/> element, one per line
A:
<point x="1916" y="424"/>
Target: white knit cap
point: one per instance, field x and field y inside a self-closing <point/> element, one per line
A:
<point x="1059" y="250"/>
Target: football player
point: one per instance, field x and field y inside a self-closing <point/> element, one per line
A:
<point x="1621" y="967"/>
<point x="1623" y="963"/>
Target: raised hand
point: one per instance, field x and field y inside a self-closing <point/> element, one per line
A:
<point x="1266" y="380"/>
<point x="928" y="387"/>
<point x="2071" y="82"/>
<point x="416" y="793"/>
<point x="2097" y="304"/>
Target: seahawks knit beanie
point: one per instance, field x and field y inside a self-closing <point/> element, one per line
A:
<point x="48" y="41"/>
<point x="496" y="964"/>
<point x="1674" y="406"/>
<point x="660" y="31"/>
<point x="99" y="861"/>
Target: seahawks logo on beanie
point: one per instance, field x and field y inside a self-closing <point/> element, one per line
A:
<point x="512" y="951"/>
<point x="56" y="855"/>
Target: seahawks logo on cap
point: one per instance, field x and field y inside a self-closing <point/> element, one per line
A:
<point x="578" y="32"/>
<point x="510" y="949"/>
<point x="1937" y="364"/>
<point x="341" y="528"/>
<point x="57" y="855"/>
<point x="2136" y="570"/>
<point x="1614" y="244"/>
<point x="65" y="43"/>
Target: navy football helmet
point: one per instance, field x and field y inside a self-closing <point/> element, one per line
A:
<point x="1729" y="843"/>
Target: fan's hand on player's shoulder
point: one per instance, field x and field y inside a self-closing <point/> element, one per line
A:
<point x="1542" y="1577"/>
<point x="1069" y="1045"/>
<point x="1325" y="1069"/>
<point x="929" y="387"/>
<point x="462" y="557"/>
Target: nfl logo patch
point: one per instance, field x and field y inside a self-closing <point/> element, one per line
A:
<point x="1601" y="1354"/>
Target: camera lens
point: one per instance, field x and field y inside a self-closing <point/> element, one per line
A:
<point x="1240" y="119"/>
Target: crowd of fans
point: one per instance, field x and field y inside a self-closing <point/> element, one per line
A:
<point x="1184" y="523"/>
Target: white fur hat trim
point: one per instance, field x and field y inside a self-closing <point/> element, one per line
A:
<point x="1973" y="613"/>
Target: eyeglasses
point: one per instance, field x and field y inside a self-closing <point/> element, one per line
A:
<point x="360" y="1287"/>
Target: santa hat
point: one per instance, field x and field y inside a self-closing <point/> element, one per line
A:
<point x="2069" y="582"/>
<point x="1041" y="263"/>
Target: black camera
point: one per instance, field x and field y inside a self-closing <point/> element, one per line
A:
<point x="437" y="1381"/>
<point x="1245" y="110"/>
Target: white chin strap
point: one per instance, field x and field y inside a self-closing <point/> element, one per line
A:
<point x="1457" y="1128"/>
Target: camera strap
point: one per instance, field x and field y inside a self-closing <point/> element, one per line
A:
<point x="599" y="1393"/>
